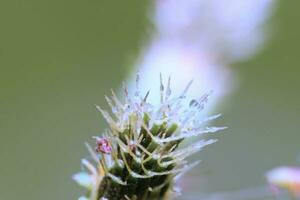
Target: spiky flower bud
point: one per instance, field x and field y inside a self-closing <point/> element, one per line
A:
<point x="138" y="157"/>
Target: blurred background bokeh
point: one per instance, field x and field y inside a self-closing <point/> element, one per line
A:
<point x="59" y="58"/>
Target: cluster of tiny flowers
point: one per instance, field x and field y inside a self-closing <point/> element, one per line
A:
<point x="138" y="157"/>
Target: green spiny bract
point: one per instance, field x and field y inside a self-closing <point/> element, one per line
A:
<point x="138" y="157"/>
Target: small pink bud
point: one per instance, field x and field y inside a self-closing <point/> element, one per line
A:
<point x="132" y="147"/>
<point x="103" y="146"/>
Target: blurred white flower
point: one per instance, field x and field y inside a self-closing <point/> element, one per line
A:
<point x="183" y="63"/>
<point x="231" y="28"/>
<point x="199" y="39"/>
<point x="83" y="198"/>
<point x="285" y="178"/>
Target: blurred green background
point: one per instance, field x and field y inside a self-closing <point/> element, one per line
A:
<point x="59" y="58"/>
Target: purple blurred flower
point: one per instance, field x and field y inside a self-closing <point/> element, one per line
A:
<point x="183" y="63"/>
<point x="198" y="39"/>
<point x="232" y="28"/>
<point x="285" y="178"/>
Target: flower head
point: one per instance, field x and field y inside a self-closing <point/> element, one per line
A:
<point x="139" y="155"/>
